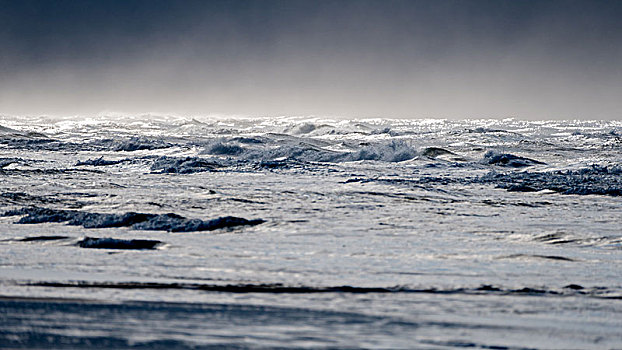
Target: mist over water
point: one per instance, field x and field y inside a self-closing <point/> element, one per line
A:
<point x="407" y="59"/>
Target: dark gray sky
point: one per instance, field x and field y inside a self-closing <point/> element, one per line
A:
<point x="445" y="59"/>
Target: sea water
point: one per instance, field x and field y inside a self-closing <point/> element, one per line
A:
<point x="171" y="232"/>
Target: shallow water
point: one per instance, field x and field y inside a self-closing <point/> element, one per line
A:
<point x="375" y="233"/>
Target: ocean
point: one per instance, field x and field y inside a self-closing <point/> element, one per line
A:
<point x="121" y="232"/>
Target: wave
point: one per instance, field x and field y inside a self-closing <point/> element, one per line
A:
<point x="4" y="162"/>
<point x="182" y="165"/>
<point x="436" y="152"/>
<point x="115" y="243"/>
<point x="135" y="143"/>
<point x="393" y="151"/>
<point x="595" y="179"/>
<point x="39" y="142"/>
<point x="42" y="238"/>
<point x="13" y="133"/>
<point x="176" y="223"/>
<point x="101" y="162"/>
<point x="305" y="151"/>
<point x="138" y="221"/>
<point x="509" y="160"/>
<point x="278" y="288"/>
<point x="221" y="148"/>
<point x="592" y="180"/>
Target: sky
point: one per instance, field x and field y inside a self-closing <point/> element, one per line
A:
<point x="354" y="59"/>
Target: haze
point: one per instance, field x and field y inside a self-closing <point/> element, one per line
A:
<point x="406" y="59"/>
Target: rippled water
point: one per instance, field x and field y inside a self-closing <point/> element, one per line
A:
<point x="173" y="232"/>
